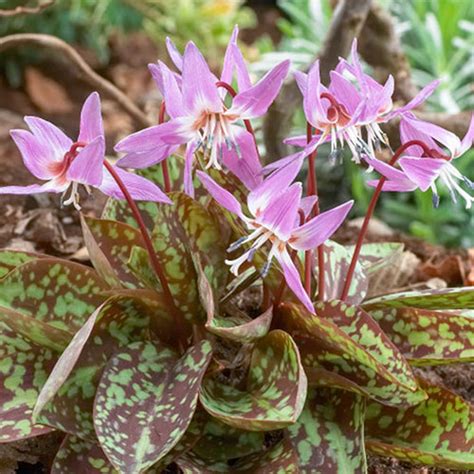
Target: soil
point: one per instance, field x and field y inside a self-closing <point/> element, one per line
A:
<point x="38" y="223"/>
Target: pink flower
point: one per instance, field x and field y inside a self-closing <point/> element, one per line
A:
<point x="52" y="156"/>
<point x="199" y="117"/>
<point x="353" y="101"/>
<point x="421" y="171"/>
<point x="274" y="206"/>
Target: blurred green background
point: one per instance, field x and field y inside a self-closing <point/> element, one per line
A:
<point x="437" y="37"/>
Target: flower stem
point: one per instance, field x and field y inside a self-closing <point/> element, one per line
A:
<point x="312" y="189"/>
<point x="370" y="212"/>
<point x="164" y="163"/>
<point x="146" y="238"/>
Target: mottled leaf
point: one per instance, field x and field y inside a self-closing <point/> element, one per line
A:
<point x="323" y="344"/>
<point x="449" y="298"/>
<point x="375" y="256"/>
<point x="438" y="432"/>
<point x="145" y="401"/>
<point x="10" y="259"/>
<point x="81" y="456"/>
<point x="109" y="244"/>
<point x="275" y="392"/>
<point x="427" y="337"/>
<point x="140" y="266"/>
<point x="221" y="442"/>
<point x="58" y="292"/>
<point x="337" y="259"/>
<point x="244" y="332"/>
<point x="24" y="368"/>
<point x="66" y="400"/>
<point x="329" y="434"/>
<point x="119" y="210"/>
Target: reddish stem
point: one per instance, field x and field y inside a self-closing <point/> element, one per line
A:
<point x="312" y="188"/>
<point x="370" y="212"/>
<point x="164" y="163"/>
<point x="146" y="238"/>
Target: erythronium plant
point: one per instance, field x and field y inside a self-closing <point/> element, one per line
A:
<point x="149" y="360"/>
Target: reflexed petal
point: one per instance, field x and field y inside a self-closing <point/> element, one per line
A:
<point x="395" y="186"/>
<point x="307" y="204"/>
<point x="385" y="169"/>
<point x="274" y="184"/>
<point x="140" y="189"/>
<point x="175" y="55"/>
<point x="87" y="167"/>
<point x="417" y="100"/>
<point x="301" y="79"/>
<point x="36" y="155"/>
<point x="49" y="187"/>
<point x="313" y="108"/>
<point x="147" y="158"/>
<point x="233" y="59"/>
<point x="171" y="92"/>
<point x="243" y="78"/>
<point x="91" y="119"/>
<point x="247" y="166"/>
<point x="445" y="137"/>
<point x="174" y="132"/>
<point x="422" y="171"/>
<point x="157" y="75"/>
<point x="409" y="132"/>
<point x="281" y="213"/>
<point x="344" y="92"/>
<point x="199" y="84"/>
<point x="228" y="64"/>
<point x="316" y="231"/>
<point x="255" y="101"/>
<point x="468" y="138"/>
<point x="293" y="279"/>
<point x="50" y="136"/>
<point x="221" y="195"/>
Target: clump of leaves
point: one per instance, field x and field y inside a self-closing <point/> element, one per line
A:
<point x="159" y="356"/>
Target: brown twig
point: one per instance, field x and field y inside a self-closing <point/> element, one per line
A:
<point x="85" y="71"/>
<point x="348" y="20"/>
<point x="27" y="10"/>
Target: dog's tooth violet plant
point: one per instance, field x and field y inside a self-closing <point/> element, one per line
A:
<point x="220" y="329"/>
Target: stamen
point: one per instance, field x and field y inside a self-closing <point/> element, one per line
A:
<point x="266" y="268"/>
<point x="468" y="182"/>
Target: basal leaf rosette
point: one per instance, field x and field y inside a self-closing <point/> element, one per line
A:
<point x="10" y="259"/>
<point x="438" y="431"/>
<point x="360" y="365"/>
<point x="275" y="388"/>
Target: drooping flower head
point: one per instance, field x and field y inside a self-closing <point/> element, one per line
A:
<point x="352" y="102"/>
<point x="421" y="170"/>
<point x="50" y="155"/>
<point x="199" y="116"/>
<point x="275" y="207"/>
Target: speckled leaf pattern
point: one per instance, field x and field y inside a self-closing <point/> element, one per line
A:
<point x="10" y="259"/>
<point x="76" y="455"/>
<point x="437" y="432"/>
<point x="109" y="244"/>
<point x="323" y="344"/>
<point x="57" y="292"/>
<point x="221" y="442"/>
<point x="246" y="331"/>
<point x="376" y="256"/>
<point x="337" y="259"/>
<point x="449" y="298"/>
<point x="275" y="392"/>
<point x="140" y="266"/>
<point x="24" y="368"/>
<point x="427" y="337"/>
<point x="145" y="401"/>
<point x="278" y="459"/>
<point x="66" y="400"/>
<point x="365" y="331"/>
<point x="119" y="210"/>
<point x="329" y="434"/>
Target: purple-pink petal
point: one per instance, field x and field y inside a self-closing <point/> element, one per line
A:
<point x="171" y="92"/>
<point x="293" y="279"/>
<point x="50" y="136"/>
<point x="48" y="187"/>
<point x="316" y="231"/>
<point x="468" y="139"/>
<point x="36" y="156"/>
<point x="91" y="119"/>
<point x="389" y="171"/>
<point x="422" y="171"/>
<point x="394" y="186"/>
<point x="199" y="84"/>
<point x="145" y="159"/>
<point x="221" y="195"/>
<point x="254" y="102"/>
<point x="245" y="165"/>
<point x="175" y="55"/>
<point x="188" y="168"/>
<point x="141" y="189"/>
<point x="87" y="167"/>
<point x="344" y="91"/>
